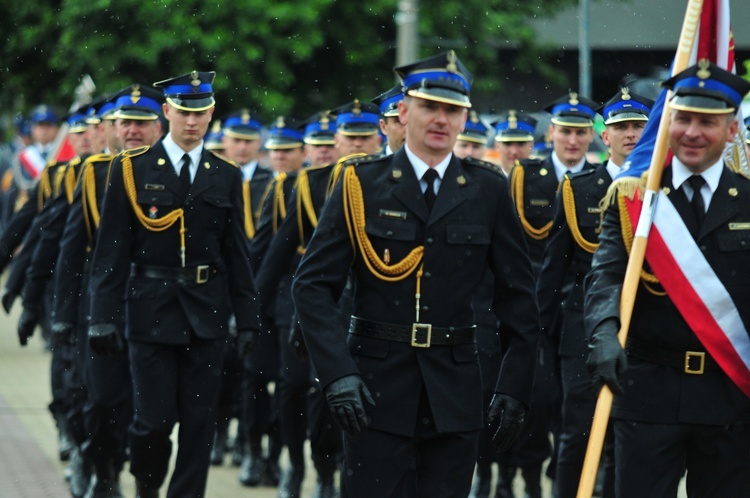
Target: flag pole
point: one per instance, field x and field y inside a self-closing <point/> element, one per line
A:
<point x="638" y="253"/>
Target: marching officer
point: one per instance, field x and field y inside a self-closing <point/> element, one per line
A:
<point x="514" y="138"/>
<point x="171" y="241"/>
<point x="472" y="141"/>
<point x="573" y="238"/>
<point x="239" y="141"/>
<point x="108" y="409"/>
<point x="682" y="387"/>
<point x="390" y="126"/>
<point x="285" y="144"/>
<point x="405" y="386"/>
<point x="320" y="145"/>
<point x="534" y="185"/>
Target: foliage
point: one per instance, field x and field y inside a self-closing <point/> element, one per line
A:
<point x="287" y="57"/>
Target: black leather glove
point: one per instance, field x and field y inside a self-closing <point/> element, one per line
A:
<point x="27" y="322"/>
<point x="7" y="300"/>
<point x="607" y="360"/>
<point x="508" y="413"/>
<point x="63" y="333"/>
<point x="104" y="339"/>
<point x="344" y="397"/>
<point x="246" y="341"/>
<point x="297" y="342"/>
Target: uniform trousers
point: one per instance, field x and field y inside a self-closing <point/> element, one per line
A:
<point x="650" y="459"/>
<point x="174" y="383"/>
<point x="429" y="464"/>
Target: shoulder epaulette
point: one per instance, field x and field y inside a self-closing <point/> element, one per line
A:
<point x="224" y="158"/>
<point x="579" y="174"/>
<point x="349" y="161"/>
<point x="75" y="161"/>
<point x="135" y="152"/>
<point x="318" y="167"/>
<point x="484" y="164"/>
<point x="98" y="158"/>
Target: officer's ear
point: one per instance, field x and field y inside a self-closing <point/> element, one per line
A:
<point x="403" y="107"/>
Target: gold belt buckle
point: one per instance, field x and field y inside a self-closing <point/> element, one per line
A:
<point x="701" y="363"/>
<point x="201" y="274"/>
<point x="421" y="326"/>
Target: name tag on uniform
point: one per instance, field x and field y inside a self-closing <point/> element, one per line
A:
<point x="385" y="213"/>
<point x="539" y="202"/>
<point x="739" y="226"/>
<point x="154" y="186"/>
<point x="595" y="210"/>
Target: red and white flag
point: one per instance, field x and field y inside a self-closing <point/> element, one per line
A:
<point x="671" y="252"/>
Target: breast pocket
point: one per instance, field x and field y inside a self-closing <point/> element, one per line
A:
<point x="734" y="240"/>
<point x="150" y="198"/>
<point x="391" y="229"/>
<point x="463" y="234"/>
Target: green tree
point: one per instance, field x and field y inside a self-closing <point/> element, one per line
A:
<point x="292" y="57"/>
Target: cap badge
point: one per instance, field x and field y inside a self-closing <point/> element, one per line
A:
<point x="245" y="118"/>
<point x="325" y="122"/>
<point x="512" y="120"/>
<point x="703" y="72"/>
<point x="280" y="122"/>
<point x="625" y="93"/>
<point x="357" y="110"/>
<point x="195" y="81"/>
<point x="473" y="117"/>
<point x="135" y="95"/>
<point x="573" y="98"/>
<point x="452" y="66"/>
<point x="216" y="127"/>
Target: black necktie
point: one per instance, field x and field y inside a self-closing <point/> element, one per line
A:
<point x="699" y="208"/>
<point x="185" y="173"/>
<point x="429" y="195"/>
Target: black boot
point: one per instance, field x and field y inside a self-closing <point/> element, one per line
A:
<point x="219" y="446"/>
<point x="80" y="473"/>
<point x="145" y="491"/>
<point x="482" y="481"/>
<point x="105" y="483"/>
<point x="271" y="472"/>
<point x="251" y="469"/>
<point x="325" y="487"/>
<point x="532" y="477"/>
<point x="291" y="483"/>
<point x="505" y="476"/>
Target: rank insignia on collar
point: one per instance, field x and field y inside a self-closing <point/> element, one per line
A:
<point x="733" y="192"/>
<point x="152" y="212"/>
<point x="600" y="181"/>
<point x="396" y="173"/>
<point x="461" y="180"/>
<point x="543" y="171"/>
<point x="666" y="190"/>
<point x="206" y="165"/>
<point x="161" y="161"/>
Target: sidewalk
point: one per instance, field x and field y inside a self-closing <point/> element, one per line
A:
<point x="29" y="464"/>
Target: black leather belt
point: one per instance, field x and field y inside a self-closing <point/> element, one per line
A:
<point x="419" y="335"/>
<point x="198" y="274"/>
<point x="690" y="362"/>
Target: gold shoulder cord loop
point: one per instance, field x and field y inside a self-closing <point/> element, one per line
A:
<point x="156" y="224"/>
<point x="647" y="279"/>
<point x="516" y="189"/>
<point x="354" y="211"/>
<point x="45" y="190"/>
<point x="59" y="178"/>
<point x="304" y="202"/>
<point x="248" y="208"/>
<point x="279" y="204"/>
<point x="88" y="202"/>
<point x="336" y="173"/>
<point x="569" y="203"/>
